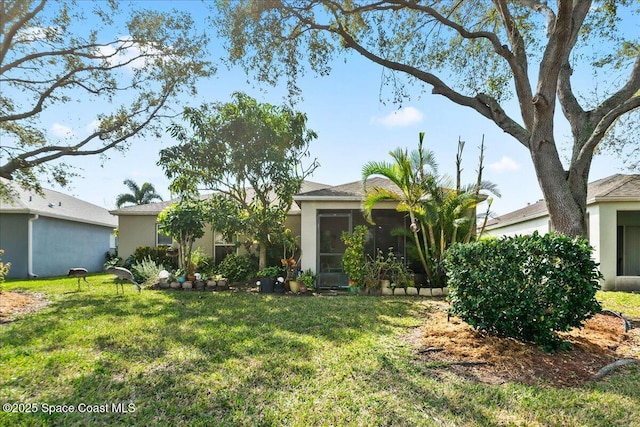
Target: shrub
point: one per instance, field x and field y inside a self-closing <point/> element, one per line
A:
<point x="4" y="268"/>
<point x="146" y="270"/>
<point x="525" y="287"/>
<point x="157" y="254"/>
<point x="238" y="268"/>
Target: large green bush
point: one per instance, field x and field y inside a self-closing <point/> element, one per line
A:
<point x="525" y="287"/>
<point x="157" y="254"/>
<point x="238" y="268"/>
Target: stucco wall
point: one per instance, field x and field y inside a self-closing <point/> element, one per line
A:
<point x="541" y="225"/>
<point x="13" y="239"/>
<point x="59" y="245"/>
<point x="134" y="231"/>
<point x="607" y="249"/>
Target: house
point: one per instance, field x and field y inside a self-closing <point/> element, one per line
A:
<point x="138" y="226"/>
<point x="319" y="216"/>
<point x="45" y="235"/>
<point x="613" y="226"/>
<point x="326" y="213"/>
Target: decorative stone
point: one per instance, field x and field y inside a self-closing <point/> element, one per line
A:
<point x="187" y="285"/>
<point x="412" y="290"/>
<point x="175" y="285"/>
<point x="387" y="291"/>
<point x="164" y="284"/>
<point x="425" y="292"/>
<point x="211" y="284"/>
<point x="199" y="284"/>
<point x="399" y="291"/>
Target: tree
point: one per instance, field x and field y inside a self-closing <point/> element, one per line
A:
<point x="54" y="55"/>
<point x="477" y="54"/>
<point x="440" y="211"/>
<point x="184" y="221"/>
<point x="139" y="195"/>
<point x="248" y="152"/>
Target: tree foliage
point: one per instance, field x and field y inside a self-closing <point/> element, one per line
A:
<point x="140" y="195"/>
<point x="250" y="154"/>
<point x="56" y="54"/>
<point x="477" y="54"/>
<point x="441" y="211"/>
<point x="185" y="222"/>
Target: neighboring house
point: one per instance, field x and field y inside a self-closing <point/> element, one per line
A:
<point x="613" y="223"/>
<point x="46" y="235"/>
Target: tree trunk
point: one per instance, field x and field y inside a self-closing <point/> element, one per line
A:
<point x="563" y="192"/>
<point x="262" y="263"/>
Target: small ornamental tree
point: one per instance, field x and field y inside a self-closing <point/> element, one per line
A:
<point x="354" y="260"/>
<point x="4" y="268"/>
<point x="525" y="287"/>
<point x="184" y="221"/>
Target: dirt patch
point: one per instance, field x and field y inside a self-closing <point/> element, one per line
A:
<point x="452" y="345"/>
<point x="15" y="303"/>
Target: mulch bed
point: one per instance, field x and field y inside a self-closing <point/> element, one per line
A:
<point x="455" y="346"/>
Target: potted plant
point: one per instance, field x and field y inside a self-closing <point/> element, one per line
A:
<point x="266" y="279"/>
<point x="307" y="280"/>
<point x="353" y="259"/>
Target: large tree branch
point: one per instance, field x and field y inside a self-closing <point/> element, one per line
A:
<point x="30" y="159"/>
<point x="483" y="104"/>
<point x="519" y="64"/>
<point x="13" y="30"/>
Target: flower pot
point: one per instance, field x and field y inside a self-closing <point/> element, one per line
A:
<point x="266" y="285"/>
<point x="294" y="286"/>
<point x="278" y="287"/>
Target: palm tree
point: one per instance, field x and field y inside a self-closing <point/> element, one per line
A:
<point x="139" y="195"/>
<point x="441" y="211"/>
<point x="414" y="174"/>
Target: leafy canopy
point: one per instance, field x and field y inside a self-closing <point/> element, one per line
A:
<point x="125" y="66"/>
<point x="252" y="155"/>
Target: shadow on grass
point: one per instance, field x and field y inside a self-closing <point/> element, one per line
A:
<point x="203" y="358"/>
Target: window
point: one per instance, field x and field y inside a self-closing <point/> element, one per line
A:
<point x="161" y="238"/>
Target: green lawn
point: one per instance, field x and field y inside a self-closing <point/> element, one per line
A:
<point x="236" y="359"/>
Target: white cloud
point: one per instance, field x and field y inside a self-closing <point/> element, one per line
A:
<point x="505" y="164"/>
<point x="61" y="131"/>
<point x="400" y="118"/>
<point x="130" y="53"/>
<point x="92" y="127"/>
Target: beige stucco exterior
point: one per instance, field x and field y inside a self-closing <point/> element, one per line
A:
<point x="140" y="230"/>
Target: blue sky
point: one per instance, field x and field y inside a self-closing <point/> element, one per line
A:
<point x="353" y="127"/>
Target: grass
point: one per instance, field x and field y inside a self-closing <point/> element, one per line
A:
<point x="236" y="359"/>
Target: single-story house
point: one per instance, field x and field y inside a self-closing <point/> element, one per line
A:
<point x="138" y="226"/>
<point x="319" y="216"/>
<point x="613" y="223"/>
<point x="45" y="235"/>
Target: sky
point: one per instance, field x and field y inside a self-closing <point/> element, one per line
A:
<point x="353" y="127"/>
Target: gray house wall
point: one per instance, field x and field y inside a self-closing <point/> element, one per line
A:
<point x="59" y="245"/>
<point x="13" y="239"/>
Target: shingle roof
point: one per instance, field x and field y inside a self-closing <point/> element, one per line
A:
<point x="350" y="191"/>
<point x="612" y="188"/>
<point x="57" y="205"/>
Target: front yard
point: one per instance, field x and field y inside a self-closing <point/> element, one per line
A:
<point x="206" y="358"/>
